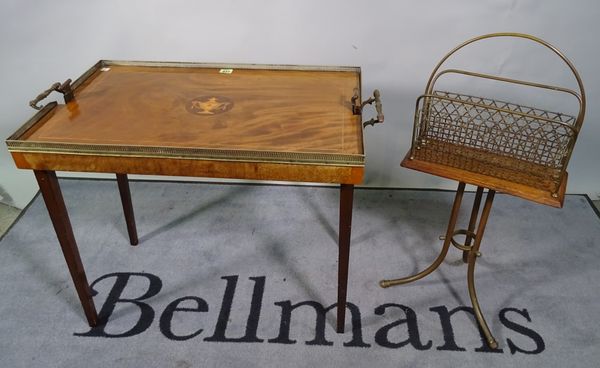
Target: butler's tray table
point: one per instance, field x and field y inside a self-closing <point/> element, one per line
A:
<point x="256" y="122"/>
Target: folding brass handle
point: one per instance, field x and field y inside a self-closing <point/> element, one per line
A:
<point x="378" y="107"/>
<point x="64" y="88"/>
<point x="357" y="107"/>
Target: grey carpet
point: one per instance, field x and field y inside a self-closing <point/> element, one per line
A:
<point x="537" y="281"/>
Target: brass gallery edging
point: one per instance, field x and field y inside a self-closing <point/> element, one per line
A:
<point x="187" y="153"/>
<point x="284" y="67"/>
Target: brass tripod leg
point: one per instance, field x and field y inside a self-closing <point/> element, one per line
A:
<point x="472" y="257"/>
<point x="472" y="221"/>
<point x="447" y="240"/>
<point x="470" y="253"/>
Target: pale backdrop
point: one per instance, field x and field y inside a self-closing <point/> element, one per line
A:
<point x="396" y="43"/>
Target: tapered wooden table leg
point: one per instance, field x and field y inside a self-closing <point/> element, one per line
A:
<point x="123" y="183"/>
<point x="346" y="197"/>
<point x="60" y="220"/>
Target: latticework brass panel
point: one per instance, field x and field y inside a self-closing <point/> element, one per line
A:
<point x="500" y="139"/>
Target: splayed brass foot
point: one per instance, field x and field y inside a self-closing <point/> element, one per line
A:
<point x="470" y="252"/>
<point x="444" y="251"/>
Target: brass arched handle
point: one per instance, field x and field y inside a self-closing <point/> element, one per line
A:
<point x="580" y="96"/>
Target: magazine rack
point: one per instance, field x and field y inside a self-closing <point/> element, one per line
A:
<point x="495" y="145"/>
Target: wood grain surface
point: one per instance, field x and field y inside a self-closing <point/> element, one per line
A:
<point x="252" y="109"/>
<point x="538" y="195"/>
<point x="186" y="167"/>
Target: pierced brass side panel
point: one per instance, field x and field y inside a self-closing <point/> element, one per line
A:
<point x="504" y="140"/>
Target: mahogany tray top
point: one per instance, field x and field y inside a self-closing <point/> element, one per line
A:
<point x="242" y="121"/>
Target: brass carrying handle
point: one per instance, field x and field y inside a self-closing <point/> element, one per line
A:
<point x="64" y="88"/>
<point x="357" y="108"/>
